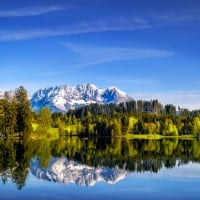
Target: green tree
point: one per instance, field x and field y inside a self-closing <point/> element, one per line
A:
<point x="87" y="122"/>
<point x="124" y="124"/>
<point x="139" y="127"/>
<point x="170" y="109"/>
<point x="132" y="122"/>
<point x="131" y="106"/>
<point x="196" y="125"/>
<point x="61" y="127"/>
<point x="115" y="128"/>
<point x="169" y="128"/>
<point x="1" y="116"/>
<point x="139" y="106"/>
<point x="9" y="119"/>
<point x="44" y="119"/>
<point x="157" y="107"/>
<point x="23" y="112"/>
<point x="151" y="128"/>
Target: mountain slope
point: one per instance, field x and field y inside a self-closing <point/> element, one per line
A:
<point x="62" y="98"/>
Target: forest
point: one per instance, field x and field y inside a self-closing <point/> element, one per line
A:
<point x="134" y="118"/>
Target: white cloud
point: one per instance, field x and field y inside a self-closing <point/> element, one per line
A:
<point x="69" y="68"/>
<point x="33" y="11"/>
<point x="94" y="55"/>
<point x="179" y="16"/>
<point x="97" y="54"/>
<point x="117" y="24"/>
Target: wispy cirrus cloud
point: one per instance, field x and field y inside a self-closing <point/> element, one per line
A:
<point x="97" y="55"/>
<point x="111" y="24"/>
<point x="70" y="68"/>
<point x="89" y="56"/>
<point x="178" y="16"/>
<point x="33" y="11"/>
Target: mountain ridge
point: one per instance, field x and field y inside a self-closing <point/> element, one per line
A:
<point x="64" y="97"/>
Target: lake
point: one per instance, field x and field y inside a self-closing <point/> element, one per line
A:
<point x="100" y="168"/>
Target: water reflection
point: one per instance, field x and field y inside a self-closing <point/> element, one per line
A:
<point x="62" y="171"/>
<point x="88" y="161"/>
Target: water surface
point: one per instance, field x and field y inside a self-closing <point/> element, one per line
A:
<point x="100" y="169"/>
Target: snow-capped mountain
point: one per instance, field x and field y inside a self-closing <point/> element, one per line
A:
<point x="63" y="171"/>
<point x="62" y="98"/>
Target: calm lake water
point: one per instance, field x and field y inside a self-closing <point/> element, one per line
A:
<point x="103" y="168"/>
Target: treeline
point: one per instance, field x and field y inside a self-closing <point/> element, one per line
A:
<point x="134" y="117"/>
<point x="15" y="114"/>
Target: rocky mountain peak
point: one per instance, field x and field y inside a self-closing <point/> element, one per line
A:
<point x="64" y="97"/>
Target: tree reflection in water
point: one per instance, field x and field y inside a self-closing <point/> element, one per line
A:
<point x="129" y="155"/>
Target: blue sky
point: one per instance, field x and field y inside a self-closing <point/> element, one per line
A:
<point x="147" y="48"/>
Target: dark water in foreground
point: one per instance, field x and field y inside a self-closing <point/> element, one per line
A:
<point x="101" y="168"/>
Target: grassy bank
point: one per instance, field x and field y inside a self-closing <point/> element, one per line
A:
<point x="158" y="137"/>
<point x="54" y="133"/>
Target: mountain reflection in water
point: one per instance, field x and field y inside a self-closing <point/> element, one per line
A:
<point x="61" y="170"/>
<point x="86" y="162"/>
